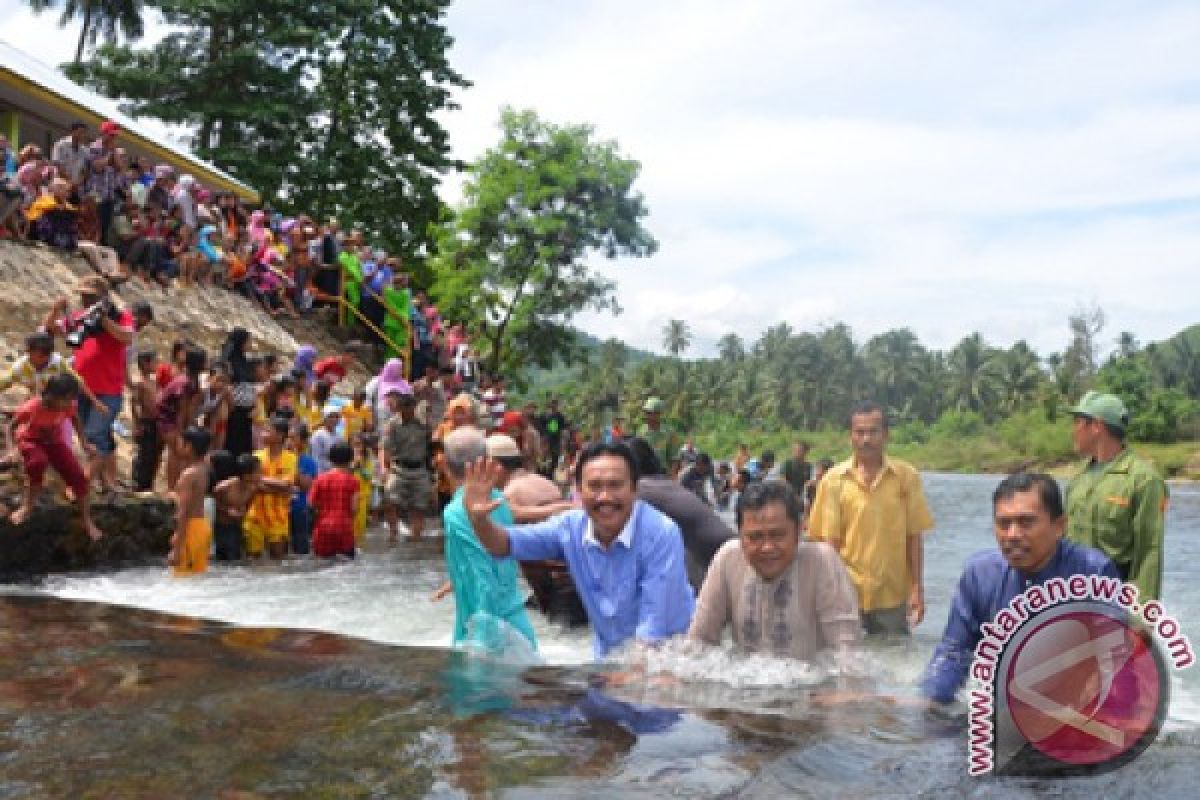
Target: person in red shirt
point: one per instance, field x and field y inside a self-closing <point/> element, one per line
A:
<point x="37" y="429"/>
<point x="100" y="333"/>
<point x="333" y="498"/>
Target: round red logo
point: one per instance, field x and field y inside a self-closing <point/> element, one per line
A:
<point x="1086" y="689"/>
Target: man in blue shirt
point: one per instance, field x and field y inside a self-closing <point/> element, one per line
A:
<point x="1027" y="509"/>
<point x="626" y="558"/>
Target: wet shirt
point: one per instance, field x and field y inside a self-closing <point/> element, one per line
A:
<point x="637" y="587"/>
<point x="333" y="495"/>
<point x="873" y="523"/>
<point x="987" y="585"/>
<point x="406" y="442"/>
<point x="809" y="608"/>
<point x="36" y="423"/>
<point x="1119" y="508"/>
<point x="481" y="583"/>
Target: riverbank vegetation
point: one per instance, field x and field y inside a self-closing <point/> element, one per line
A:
<point x="975" y="407"/>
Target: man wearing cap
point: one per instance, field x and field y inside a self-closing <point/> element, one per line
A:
<point x="70" y="154"/>
<point x="1117" y="502"/>
<point x="405" y="449"/>
<point x="666" y="442"/>
<point x="531" y="496"/>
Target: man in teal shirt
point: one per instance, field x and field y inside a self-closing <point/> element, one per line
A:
<point x="485" y="588"/>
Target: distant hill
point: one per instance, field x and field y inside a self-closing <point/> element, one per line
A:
<point x="547" y="380"/>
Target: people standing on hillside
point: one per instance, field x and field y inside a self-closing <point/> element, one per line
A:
<point x="239" y="432"/>
<point x="193" y="534"/>
<point x="405" y="450"/>
<point x="333" y="498"/>
<point x="147" y="442"/>
<point x="70" y="155"/>
<point x="872" y="509"/>
<point x="553" y="425"/>
<point x="665" y="441"/>
<point x="102" y="332"/>
<point x="1117" y="502"/>
<point x="36" y="427"/>
<point x="176" y="408"/>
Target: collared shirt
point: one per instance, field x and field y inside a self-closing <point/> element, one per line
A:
<point x="808" y="608"/>
<point x="1119" y="508"/>
<point x="637" y="587"/>
<point x="23" y="373"/>
<point x="73" y="158"/>
<point x="988" y="584"/>
<point x="873" y="524"/>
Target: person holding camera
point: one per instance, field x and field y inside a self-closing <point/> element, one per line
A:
<point x="99" y="334"/>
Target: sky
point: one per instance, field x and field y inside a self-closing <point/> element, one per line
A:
<point x="943" y="166"/>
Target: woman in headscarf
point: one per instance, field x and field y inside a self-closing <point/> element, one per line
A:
<point x="239" y="431"/>
<point x="391" y="377"/>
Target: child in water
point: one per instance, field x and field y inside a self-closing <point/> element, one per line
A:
<point x="36" y="427"/>
<point x="233" y="496"/>
<point x="334" y="497"/>
<point x="193" y="535"/>
<point x="364" y="469"/>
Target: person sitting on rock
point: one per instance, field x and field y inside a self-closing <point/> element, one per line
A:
<point x="37" y="429"/>
<point x="54" y="220"/>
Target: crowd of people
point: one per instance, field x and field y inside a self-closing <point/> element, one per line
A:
<point x="267" y="459"/>
<point x="145" y="222"/>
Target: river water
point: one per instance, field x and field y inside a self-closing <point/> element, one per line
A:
<point x="734" y="727"/>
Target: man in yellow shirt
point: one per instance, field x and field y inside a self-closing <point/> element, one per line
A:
<point x="266" y="521"/>
<point x="872" y="509"/>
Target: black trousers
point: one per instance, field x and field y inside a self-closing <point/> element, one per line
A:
<point x="147" y="451"/>
<point x="227" y="536"/>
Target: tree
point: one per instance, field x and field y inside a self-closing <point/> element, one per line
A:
<point x="1080" y="359"/>
<point x="97" y="17"/>
<point x="891" y="359"/>
<point x="677" y="337"/>
<point x="731" y="348"/>
<point x="323" y="107"/>
<point x="1018" y="377"/>
<point x="513" y="260"/>
<point x="972" y="375"/>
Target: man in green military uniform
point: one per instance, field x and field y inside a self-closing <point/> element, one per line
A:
<point x="1117" y="503"/>
<point x="666" y="442"/>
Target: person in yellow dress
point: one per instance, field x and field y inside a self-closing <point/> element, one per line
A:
<point x="364" y="469"/>
<point x="266" y="523"/>
<point x="357" y="416"/>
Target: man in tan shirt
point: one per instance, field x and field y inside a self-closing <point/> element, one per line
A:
<point x="781" y="595"/>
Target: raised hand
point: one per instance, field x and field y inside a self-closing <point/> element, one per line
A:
<point x="479" y="479"/>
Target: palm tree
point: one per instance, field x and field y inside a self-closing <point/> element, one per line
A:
<point x="98" y="17"/>
<point x="891" y="361"/>
<point x="1018" y="375"/>
<point x="973" y="375"/>
<point x="677" y="337"/>
<point x="731" y="348"/>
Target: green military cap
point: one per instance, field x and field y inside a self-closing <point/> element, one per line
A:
<point x="1107" y="408"/>
<point x="653" y="406"/>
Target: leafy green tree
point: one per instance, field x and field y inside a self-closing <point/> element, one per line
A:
<point x="513" y="261"/>
<point x="891" y="360"/>
<point x="1018" y="376"/>
<point x="731" y="348"/>
<point x="107" y="18"/>
<point x="323" y="107"/>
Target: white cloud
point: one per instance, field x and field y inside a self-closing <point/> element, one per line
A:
<point x="942" y="166"/>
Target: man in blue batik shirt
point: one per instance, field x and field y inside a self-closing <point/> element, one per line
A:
<point x="1027" y="509"/>
<point x="626" y="558"/>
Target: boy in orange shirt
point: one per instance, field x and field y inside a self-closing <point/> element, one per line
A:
<point x="266" y="523"/>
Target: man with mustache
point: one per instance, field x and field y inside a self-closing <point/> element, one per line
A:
<point x="1027" y="510"/>
<point x="626" y="558"/>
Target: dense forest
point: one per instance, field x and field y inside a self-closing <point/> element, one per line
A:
<point x="790" y="382"/>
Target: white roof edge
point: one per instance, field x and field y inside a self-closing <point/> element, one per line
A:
<point x="24" y="65"/>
